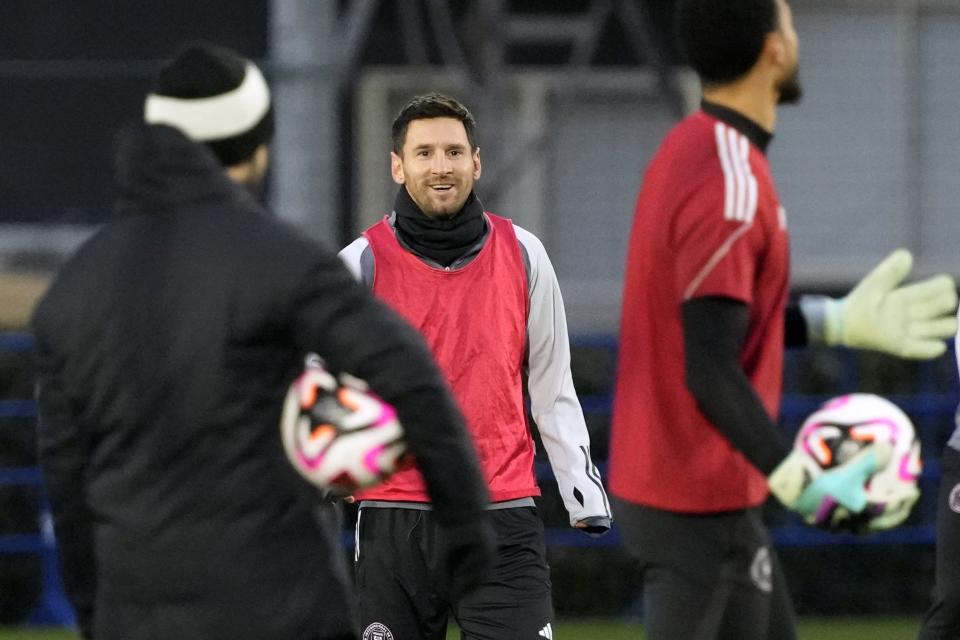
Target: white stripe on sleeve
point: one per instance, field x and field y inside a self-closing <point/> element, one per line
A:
<point x="725" y="163"/>
<point x="739" y="211"/>
<point x="740" y="185"/>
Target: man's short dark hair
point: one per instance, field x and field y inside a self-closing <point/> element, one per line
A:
<point x="432" y="105"/>
<point x="722" y="39"/>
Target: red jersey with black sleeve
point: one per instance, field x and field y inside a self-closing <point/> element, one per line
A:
<point x="708" y="223"/>
<point x="474" y="319"/>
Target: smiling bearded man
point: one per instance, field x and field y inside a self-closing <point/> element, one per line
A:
<point x="483" y="293"/>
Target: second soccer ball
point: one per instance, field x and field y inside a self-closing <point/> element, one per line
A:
<point x="839" y="430"/>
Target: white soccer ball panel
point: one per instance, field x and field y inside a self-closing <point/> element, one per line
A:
<point x="836" y="432"/>
<point x="361" y="458"/>
<point x="339" y="436"/>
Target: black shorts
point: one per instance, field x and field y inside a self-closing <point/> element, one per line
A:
<point x="397" y="569"/>
<point x="707" y="576"/>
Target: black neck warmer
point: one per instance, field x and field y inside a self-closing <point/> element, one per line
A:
<point x="442" y="240"/>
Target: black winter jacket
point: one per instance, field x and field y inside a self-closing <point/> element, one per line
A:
<point x="165" y="345"/>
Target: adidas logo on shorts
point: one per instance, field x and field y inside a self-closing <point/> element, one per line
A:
<point x="546" y="632"/>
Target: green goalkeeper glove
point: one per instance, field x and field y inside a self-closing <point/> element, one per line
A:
<point x="800" y="484"/>
<point x="893" y="514"/>
<point x="891" y="503"/>
<point x="909" y="321"/>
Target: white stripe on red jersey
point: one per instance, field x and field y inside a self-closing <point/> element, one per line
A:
<point x="740" y="185"/>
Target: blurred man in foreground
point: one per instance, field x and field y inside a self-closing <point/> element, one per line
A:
<point x="166" y="345"/>
<point x="695" y="447"/>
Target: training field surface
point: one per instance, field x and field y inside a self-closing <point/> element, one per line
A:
<point x="860" y="628"/>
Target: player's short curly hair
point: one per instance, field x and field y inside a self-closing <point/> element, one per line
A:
<point x="432" y="105"/>
<point x="722" y="39"/>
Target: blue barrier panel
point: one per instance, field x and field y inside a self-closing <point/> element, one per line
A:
<point x="20" y="475"/>
<point x="783" y="536"/>
<point x="786" y="536"/>
<point x="16" y="342"/>
<point x="795" y="406"/>
<point x="20" y="543"/>
<point x="17" y="408"/>
<point x="596" y="404"/>
<point x="801" y="536"/>
<point x="52" y="607"/>
<point x="918" y="404"/>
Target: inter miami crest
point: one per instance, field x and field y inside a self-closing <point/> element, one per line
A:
<point x="377" y="631"/>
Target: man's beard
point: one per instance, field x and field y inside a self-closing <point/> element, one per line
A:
<point x="790" y="89"/>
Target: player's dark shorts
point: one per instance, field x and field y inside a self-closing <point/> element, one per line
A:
<point x="707" y="576"/>
<point x="942" y="620"/>
<point x="398" y="579"/>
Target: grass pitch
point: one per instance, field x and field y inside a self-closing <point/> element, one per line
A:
<point x="853" y="628"/>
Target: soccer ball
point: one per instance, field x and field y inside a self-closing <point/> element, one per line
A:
<point x="337" y="434"/>
<point x="838" y="431"/>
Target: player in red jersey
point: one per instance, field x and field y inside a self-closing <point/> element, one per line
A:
<point x="695" y="449"/>
<point x="483" y="293"/>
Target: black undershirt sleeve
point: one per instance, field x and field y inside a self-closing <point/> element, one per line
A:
<point x="795" y="328"/>
<point x="714" y="330"/>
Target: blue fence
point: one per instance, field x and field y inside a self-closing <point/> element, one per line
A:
<point x="52" y="607"/>
<point x="933" y="400"/>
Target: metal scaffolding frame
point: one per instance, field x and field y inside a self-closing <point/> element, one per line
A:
<point x="316" y="59"/>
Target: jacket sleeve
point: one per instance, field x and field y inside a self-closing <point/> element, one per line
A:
<point x="796" y="327"/>
<point x="63" y="455"/>
<point x="341" y="320"/>
<point x="553" y="399"/>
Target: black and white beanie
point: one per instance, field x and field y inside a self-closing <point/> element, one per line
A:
<point x="214" y="96"/>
